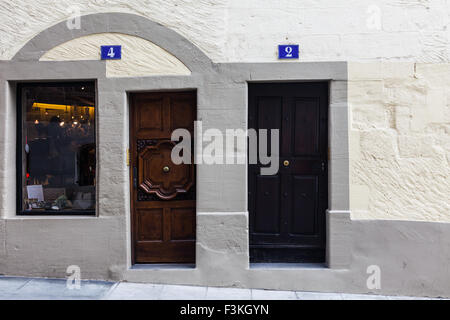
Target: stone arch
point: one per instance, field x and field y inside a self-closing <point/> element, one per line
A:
<point x="124" y="23"/>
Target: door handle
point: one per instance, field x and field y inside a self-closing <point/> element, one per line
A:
<point x="323" y="165"/>
<point x="135" y="177"/>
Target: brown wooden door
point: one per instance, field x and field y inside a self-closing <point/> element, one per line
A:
<point x="287" y="210"/>
<point x="163" y="194"/>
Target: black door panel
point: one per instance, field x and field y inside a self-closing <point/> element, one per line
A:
<point x="287" y="210"/>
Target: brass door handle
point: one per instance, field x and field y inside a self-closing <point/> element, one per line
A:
<point x="166" y="169"/>
<point x="286" y="163"/>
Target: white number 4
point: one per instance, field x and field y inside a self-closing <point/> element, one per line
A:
<point x="111" y="53"/>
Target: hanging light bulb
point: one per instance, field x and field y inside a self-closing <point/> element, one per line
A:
<point x="36" y="121"/>
<point x="61" y="124"/>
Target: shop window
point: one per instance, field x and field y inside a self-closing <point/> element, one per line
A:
<point x="56" y="156"/>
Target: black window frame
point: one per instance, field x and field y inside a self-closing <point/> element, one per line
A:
<point x="19" y="148"/>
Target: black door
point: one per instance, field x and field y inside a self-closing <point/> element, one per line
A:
<point x="287" y="210"/>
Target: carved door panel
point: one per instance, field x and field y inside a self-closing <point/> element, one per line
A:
<point x="287" y="210"/>
<point x="163" y="194"/>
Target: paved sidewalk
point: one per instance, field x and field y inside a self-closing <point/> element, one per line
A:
<point x="14" y="288"/>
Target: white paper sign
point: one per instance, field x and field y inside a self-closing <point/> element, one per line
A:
<point x="35" y="192"/>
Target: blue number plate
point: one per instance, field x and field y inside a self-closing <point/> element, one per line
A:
<point x="111" y="52"/>
<point x="288" y="51"/>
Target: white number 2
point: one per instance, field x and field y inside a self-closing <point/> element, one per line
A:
<point x="111" y="53"/>
<point x="288" y="51"/>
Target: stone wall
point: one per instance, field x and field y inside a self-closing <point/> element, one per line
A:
<point x="399" y="110"/>
<point x="400" y="141"/>
<point x="398" y="149"/>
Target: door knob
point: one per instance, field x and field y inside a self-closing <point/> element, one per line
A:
<point x="286" y="163"/>
<point x="166" y="169"/>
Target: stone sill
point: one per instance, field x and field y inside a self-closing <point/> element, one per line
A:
<point x="287" y="266"/>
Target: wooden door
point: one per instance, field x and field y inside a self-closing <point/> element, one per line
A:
<point x="163" y="194"/>
<point x="287" y="210"/>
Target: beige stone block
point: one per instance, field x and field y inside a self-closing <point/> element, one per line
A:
<point x="354" y="145"/>
<point x="435" y="110"/>
<point x="370" y="91"/>
<point x="402" y="119"/>
<point x="379" y="144"/>
<point x="367" y="116"/>
<point x="416" y="146"/>
<point x="441" y="135"/>
<point x="405" y="92"/>
<point x="359" y="197"/>
<point x="397" y="70"/>
<point x="447" y="109"/>
<point x="436" y="104"/>
<point x="436" y="74"/>
<point x="420" y="117"/>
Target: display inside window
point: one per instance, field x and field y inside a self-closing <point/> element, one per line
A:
<point x="57" y="153"/>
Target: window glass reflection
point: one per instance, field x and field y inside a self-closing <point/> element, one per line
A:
<point x="58" y="155"/>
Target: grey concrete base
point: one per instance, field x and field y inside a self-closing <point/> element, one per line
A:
<point x="413" y="257"/>
<point x="52" y="289"/>
<point x="63" y="241"/>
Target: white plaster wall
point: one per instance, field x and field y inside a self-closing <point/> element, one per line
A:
<point x="139" y="56"/>
<point x="201" y="21"/>
<point x="236" y="30"/>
